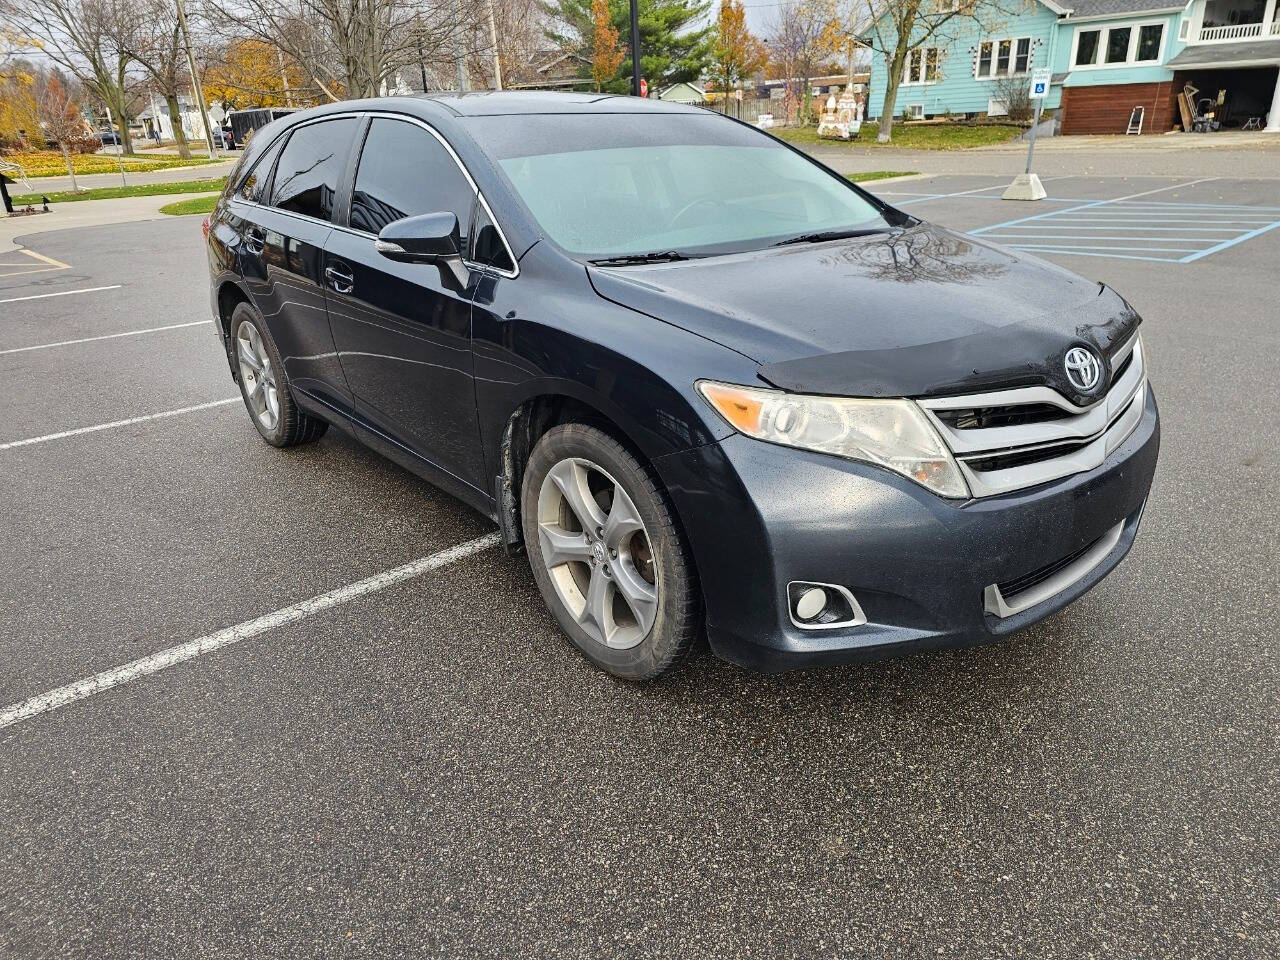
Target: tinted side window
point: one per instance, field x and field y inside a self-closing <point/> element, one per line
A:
<point x="488" y="247"/>
<point x="253" y="186"/>
<point x="405" y="172"/>
<point x="307" y="175"/>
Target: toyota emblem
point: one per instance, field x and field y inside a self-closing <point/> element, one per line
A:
<point x="1084" y="370"/>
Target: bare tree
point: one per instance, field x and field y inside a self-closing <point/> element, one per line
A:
<point x="901" y="30"/>
<point x="799" y="33"/>
<point x="521" y="28"/>
<point x="81" y="36"/>
<point x="350" y="48"/>
<point x="153" y="39"/>
<point x="58" y="110"/>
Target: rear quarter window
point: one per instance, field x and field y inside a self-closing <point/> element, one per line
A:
<point x="252" y="185"/>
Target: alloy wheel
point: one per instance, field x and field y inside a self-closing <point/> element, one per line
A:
<point x="597" y="553"/>
<point x="258" y="377"/>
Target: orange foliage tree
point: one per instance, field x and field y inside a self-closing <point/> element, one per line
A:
<point x="606" y="53"/>
<point x="736" y="53"/>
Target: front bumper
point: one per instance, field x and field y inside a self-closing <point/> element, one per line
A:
<point x="758" y="516"/>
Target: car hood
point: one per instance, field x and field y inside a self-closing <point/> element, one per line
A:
<point x="920" y="312"/>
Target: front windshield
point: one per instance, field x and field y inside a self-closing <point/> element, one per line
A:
<point x="612" y="185"/>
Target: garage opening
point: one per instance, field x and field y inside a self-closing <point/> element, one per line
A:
<point x="1238" y="98"/>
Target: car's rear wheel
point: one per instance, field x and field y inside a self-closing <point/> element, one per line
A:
<point x="264" y="385"/>
<point x="607" y="554"/>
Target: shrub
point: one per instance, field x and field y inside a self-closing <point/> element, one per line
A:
<point x="1015" y="94"/>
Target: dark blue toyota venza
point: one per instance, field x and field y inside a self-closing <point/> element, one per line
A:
<point x="703" y="381"/>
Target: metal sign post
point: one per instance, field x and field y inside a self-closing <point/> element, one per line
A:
<point x="635" y="49"/>
<point x="1027" y="186"/>
<point x="119" y="143"/>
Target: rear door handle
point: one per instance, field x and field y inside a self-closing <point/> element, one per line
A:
<point x="339" y="279"/>
<point x="254" y="240"/>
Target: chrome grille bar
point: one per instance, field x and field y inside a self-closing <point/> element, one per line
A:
<point x="1087" y="434"/>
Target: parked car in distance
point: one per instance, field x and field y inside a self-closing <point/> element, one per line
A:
<point x="707" y="384"/>
<point x="108" y="137"/>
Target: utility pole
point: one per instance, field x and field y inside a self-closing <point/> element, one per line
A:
<point x="493" y="41"/>
<point x="635" y="48"/>
<point x="195" y="80"/>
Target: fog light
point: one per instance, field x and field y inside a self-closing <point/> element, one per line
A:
<point x="811" y="603"/>
<point x="822" y="606"/>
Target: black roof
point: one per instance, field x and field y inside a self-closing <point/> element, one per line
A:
<point x="498" y="103"/>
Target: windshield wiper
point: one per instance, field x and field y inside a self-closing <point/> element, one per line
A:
<point x="831" y="235"/>
<point x="661" y="256"/>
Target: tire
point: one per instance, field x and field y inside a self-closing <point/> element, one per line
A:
<point x="264" y="386"/>
<point x="637" y="549"/>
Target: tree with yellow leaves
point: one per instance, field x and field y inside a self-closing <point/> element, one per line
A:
<point x="736" y="53"/>
<point x="19" y="122"/>
<point x="606" y="52"/>
<point x="253" y="73"/>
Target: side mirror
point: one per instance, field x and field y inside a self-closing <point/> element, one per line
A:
<point x="429" y="238"/>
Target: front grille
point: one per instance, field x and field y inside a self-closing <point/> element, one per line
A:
<point x="1011" y="439"/>
<point x="1122" y="368"/>
<point x="1011" y="588"/>
<point x="981" y="418"/>
<point x="1022" y="458"/>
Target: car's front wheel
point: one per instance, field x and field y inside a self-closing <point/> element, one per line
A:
<point x="607" y="554"/>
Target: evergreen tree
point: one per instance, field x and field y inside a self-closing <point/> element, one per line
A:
<point x="673" y="47"/>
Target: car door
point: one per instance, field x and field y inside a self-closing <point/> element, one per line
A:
<point x="283" y="238"/>
<point x="403" y="330"/>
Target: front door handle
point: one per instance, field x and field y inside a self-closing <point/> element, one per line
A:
<point x="339" y="279"/>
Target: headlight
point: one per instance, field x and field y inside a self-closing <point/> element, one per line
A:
<point x="892" y="433"/>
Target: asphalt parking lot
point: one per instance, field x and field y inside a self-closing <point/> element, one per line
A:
<point x="422" y="765"/>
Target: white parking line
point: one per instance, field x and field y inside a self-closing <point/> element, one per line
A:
<point x="61" y="293"/>
<point x="241" y="631"/>
<point x="105" y="336"/>
<point x="117" y="423"/>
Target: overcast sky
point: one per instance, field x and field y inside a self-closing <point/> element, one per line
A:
<point x="759" y="14"/>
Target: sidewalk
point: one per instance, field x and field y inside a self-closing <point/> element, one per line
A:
<point x="1244" y="156"/>
<point x="86" y="213"/>
<point x="87" y="181"/>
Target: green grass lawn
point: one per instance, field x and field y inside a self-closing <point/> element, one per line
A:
<point x="194" y="205"/>
<point x="141" y="190"/>
<point x="878" y="175"/>
<point x="934" y="136"/>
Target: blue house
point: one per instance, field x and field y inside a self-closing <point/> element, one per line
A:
<point x="1107" y="57"/>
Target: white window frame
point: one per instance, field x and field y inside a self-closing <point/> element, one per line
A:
<point x="1013" y="71"/>
<point x="920" y="80"/>
<point x="1104" y="32"/>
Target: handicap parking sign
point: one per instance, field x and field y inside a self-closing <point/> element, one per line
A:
<point x="1040" y="84"/>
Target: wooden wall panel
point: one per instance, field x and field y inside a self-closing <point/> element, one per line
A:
<point x="1106" y="108"/>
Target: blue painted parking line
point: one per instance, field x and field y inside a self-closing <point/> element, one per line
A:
<point x="1232" y="242"/>
<point x="1129" y="228"/>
